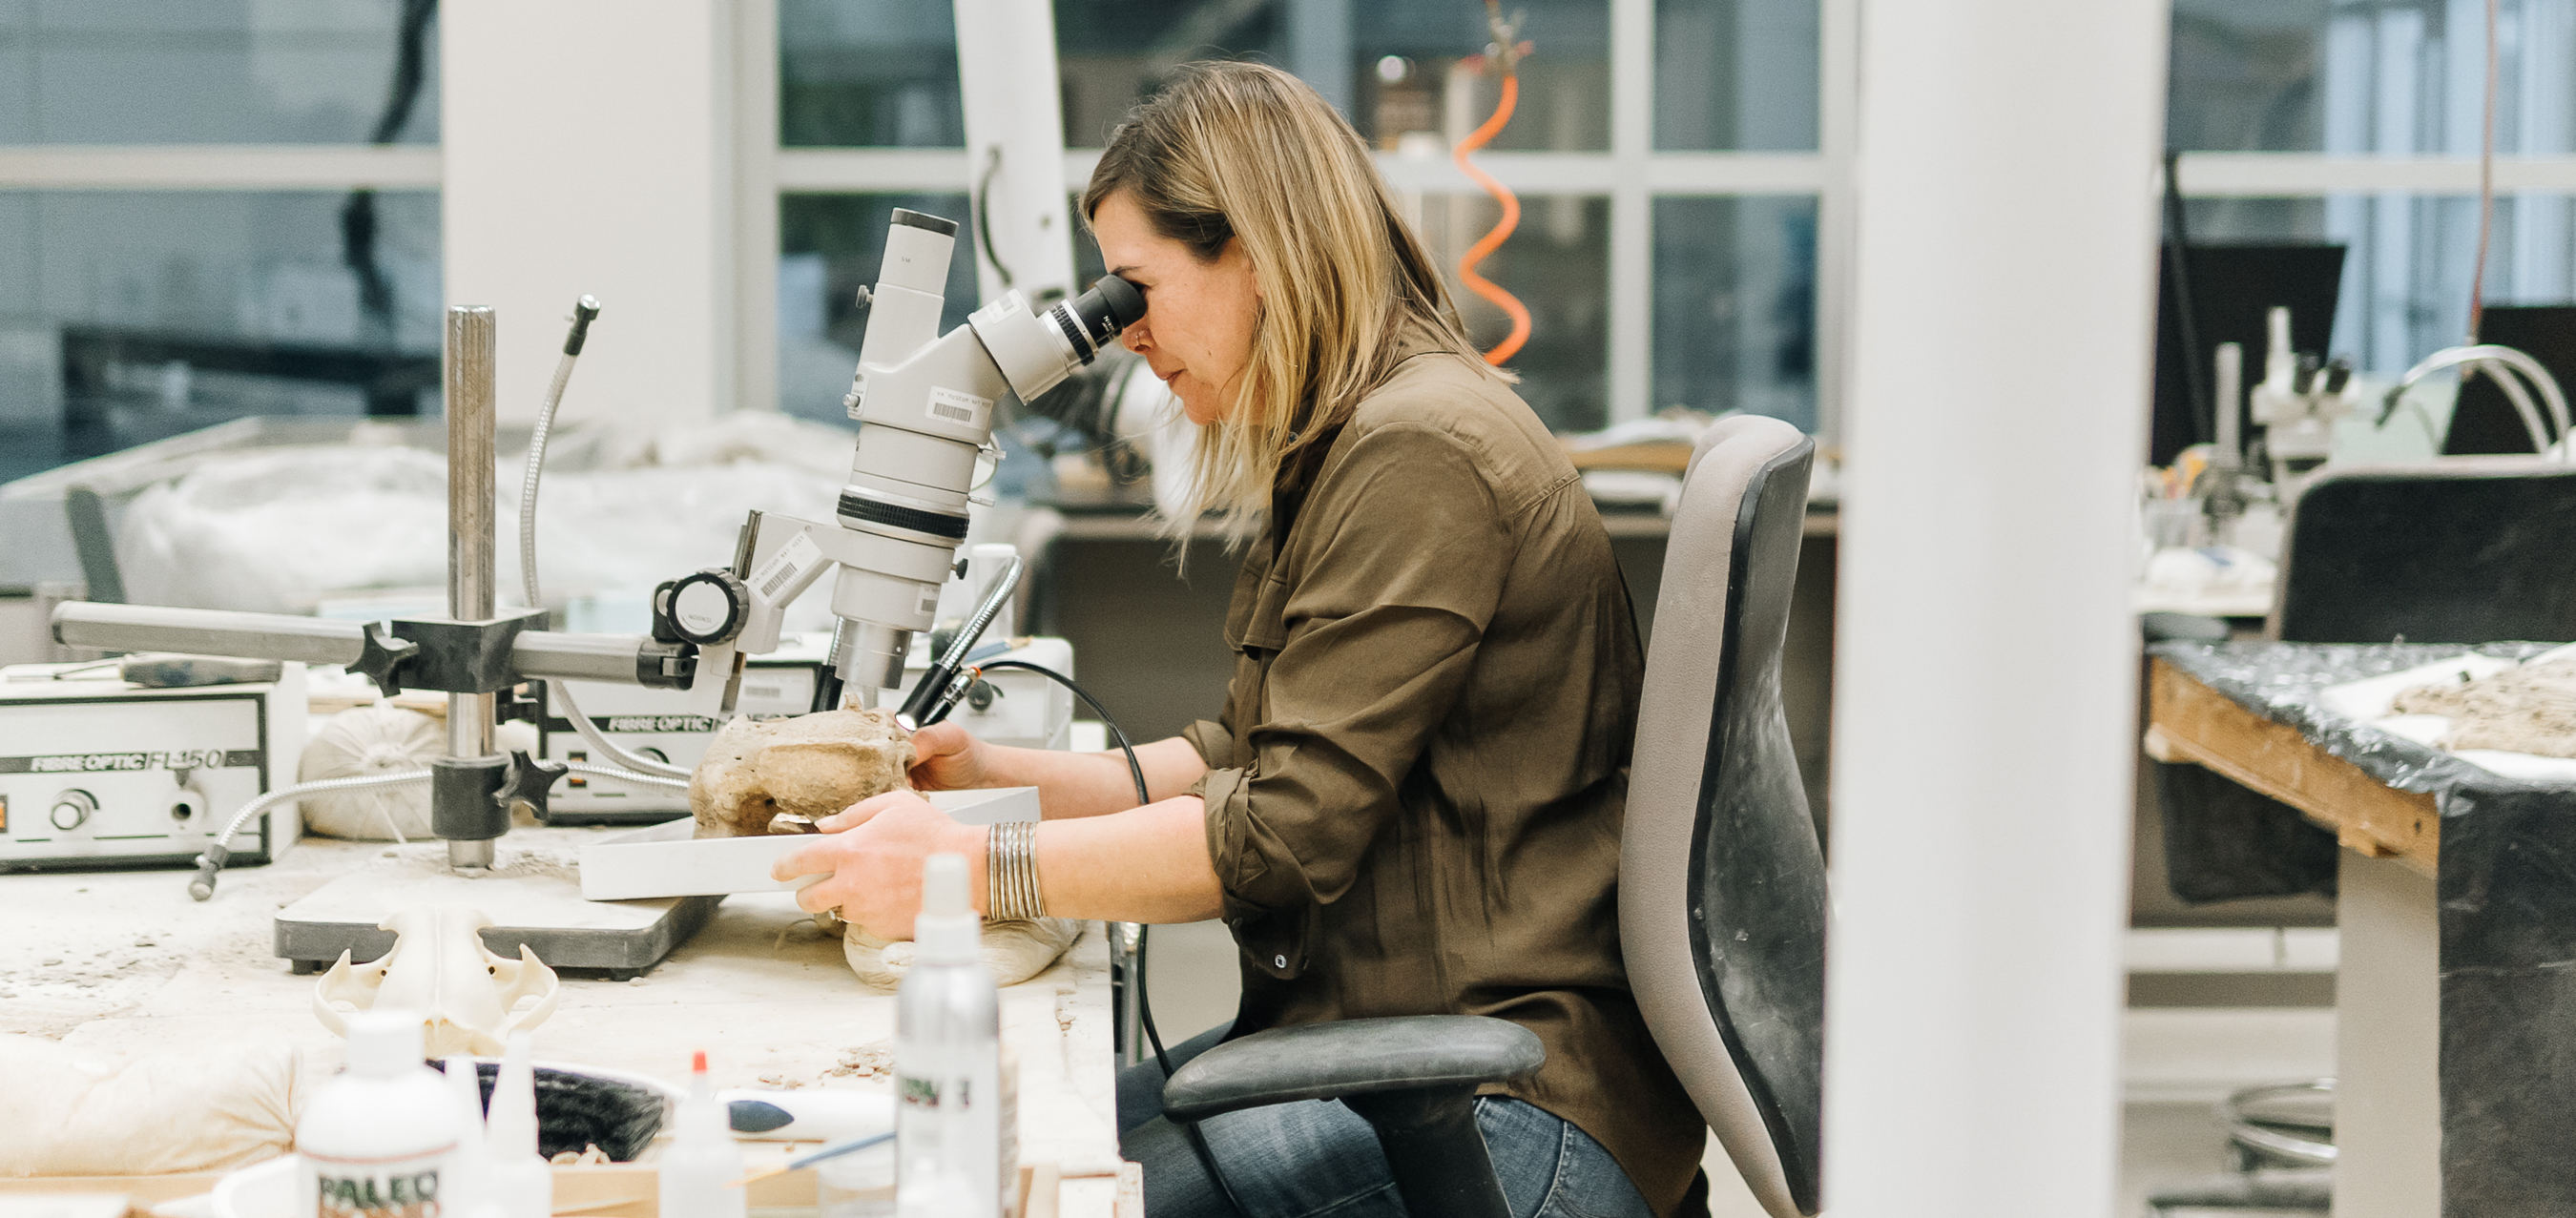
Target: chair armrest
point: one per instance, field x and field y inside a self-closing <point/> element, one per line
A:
<point x="1351" y="1057"/>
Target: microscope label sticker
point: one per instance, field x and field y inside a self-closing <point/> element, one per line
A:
<point x="784" y="570"/>
<point x="951" y="406"/>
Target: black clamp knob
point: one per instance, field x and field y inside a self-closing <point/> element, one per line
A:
<point x="527" y="781"/>
<point x="381" y="655"/>
<point x="707" y="608"/>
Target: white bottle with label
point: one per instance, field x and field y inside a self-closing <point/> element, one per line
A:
<point x="948" y="1059"/>
<point x="376" y="1140"/>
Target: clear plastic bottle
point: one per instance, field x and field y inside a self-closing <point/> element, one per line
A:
<point x="701" y="1170"/>
<point x="521" y="1181"/>
<point x="468" y="1183"/>
<point x="948" y="1059"/>
<point x="377" y="1140"/>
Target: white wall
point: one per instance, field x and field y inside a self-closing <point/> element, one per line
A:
<point x="589" y="147"/>
<point x="1986" y="656"/>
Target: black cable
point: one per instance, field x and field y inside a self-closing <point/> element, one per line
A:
<point x="2177" y="243"/>
<point x="1134" y="771"/>
<point x="1144" y="1007"/>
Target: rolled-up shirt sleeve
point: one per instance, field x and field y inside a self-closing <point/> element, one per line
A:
<point x="1391" y="580"/>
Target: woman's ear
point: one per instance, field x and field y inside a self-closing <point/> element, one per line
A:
<point x="1237" y="253"/>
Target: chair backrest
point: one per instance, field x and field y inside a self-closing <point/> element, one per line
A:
<point x="1721" y="878"/>
<point x="2470" y="550"/>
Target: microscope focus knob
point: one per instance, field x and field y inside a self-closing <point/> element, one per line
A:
<point x="72" y="809"/>
<point x="707" y="608"/>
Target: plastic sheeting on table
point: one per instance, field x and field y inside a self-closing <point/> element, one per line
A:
<point x="2282" y="681"/>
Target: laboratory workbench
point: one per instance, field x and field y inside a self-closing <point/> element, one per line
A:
<point x="2455" y="1001"/>
<point x="123" y="962"/>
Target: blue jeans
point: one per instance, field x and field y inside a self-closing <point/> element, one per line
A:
<point x="1317" y="1158"/>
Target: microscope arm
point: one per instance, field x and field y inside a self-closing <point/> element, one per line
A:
<point x="416" y="653"/>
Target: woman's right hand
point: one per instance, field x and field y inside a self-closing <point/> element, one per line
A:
<point x="946" y="757"/>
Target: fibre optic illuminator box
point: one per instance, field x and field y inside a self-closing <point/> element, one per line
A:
<point x="96" y="772"/>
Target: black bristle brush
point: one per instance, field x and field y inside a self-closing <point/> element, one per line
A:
<point x="576" y="1111"/>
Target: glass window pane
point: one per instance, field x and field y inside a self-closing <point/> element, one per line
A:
<point x="829" y="247"/>
<point x="1735" y="305"/>
<point x="2397" y="77"/>
<point x="1420" y="71"/>
<point x="216" y="71"/>
<point x="1112" y="54"/>
<point x="868" y="73"/>
<point x="1393" y="68"/>
<point x="130" y="316"/>
<point x="1557" y="264"/>
<point x="2405" y="291"/>
<point x="1736" y="75"/>
<point x="883" y="73"/>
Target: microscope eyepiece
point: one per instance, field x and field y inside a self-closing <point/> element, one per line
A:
<point x="923" y="220"/>
<point x="1093" y="320"/>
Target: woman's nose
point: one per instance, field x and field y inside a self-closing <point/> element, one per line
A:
<point x="1136" y="338"/>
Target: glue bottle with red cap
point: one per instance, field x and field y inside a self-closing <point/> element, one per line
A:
<point x="701" y="1169"/>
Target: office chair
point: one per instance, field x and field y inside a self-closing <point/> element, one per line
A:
<point x="2470" y="550"/>
<point x="1721" y="893"/>
<point x="1721" y="878"/>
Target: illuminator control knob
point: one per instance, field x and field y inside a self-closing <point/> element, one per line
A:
<point x="72" y="809"/>
<point x="706" y="608"/>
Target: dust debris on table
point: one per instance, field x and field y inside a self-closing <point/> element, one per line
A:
<point x="866" y="1061"/>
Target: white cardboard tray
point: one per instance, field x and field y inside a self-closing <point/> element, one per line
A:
<point x="665" y="861"/>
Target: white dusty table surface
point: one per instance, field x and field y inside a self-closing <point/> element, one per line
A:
<point x="124" y="963"/>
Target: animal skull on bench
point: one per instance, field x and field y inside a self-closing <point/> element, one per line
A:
<point x="469" y="999"/>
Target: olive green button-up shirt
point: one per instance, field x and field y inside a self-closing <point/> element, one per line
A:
<point x="1415" y="792"/>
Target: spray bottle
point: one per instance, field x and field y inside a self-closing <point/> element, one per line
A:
<point x="947" y="1060"/>
<point x="702" y="1168"/>
<point x="377" y="1140"/>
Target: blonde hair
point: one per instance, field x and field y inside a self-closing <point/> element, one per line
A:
<point x="1244" y="151"/>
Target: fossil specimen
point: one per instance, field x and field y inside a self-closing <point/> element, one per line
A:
<point x="810" y="766"/>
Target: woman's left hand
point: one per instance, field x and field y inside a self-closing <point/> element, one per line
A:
<point x="871" y="857"/>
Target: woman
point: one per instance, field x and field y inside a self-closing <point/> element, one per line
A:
<point x="1412" y="802"/>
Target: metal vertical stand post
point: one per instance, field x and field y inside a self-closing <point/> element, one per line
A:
<point x="462" y="810"/>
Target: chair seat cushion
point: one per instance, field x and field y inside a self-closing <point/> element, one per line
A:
<point x="1350" y="1057"/>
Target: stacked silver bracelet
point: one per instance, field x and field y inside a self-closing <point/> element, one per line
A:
<point x="1011" y="873"/>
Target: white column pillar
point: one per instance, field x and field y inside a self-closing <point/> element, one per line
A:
<point x="1006" y="73"/>
<point x="1986" y="660"/>
<point x="589" y="148"/>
